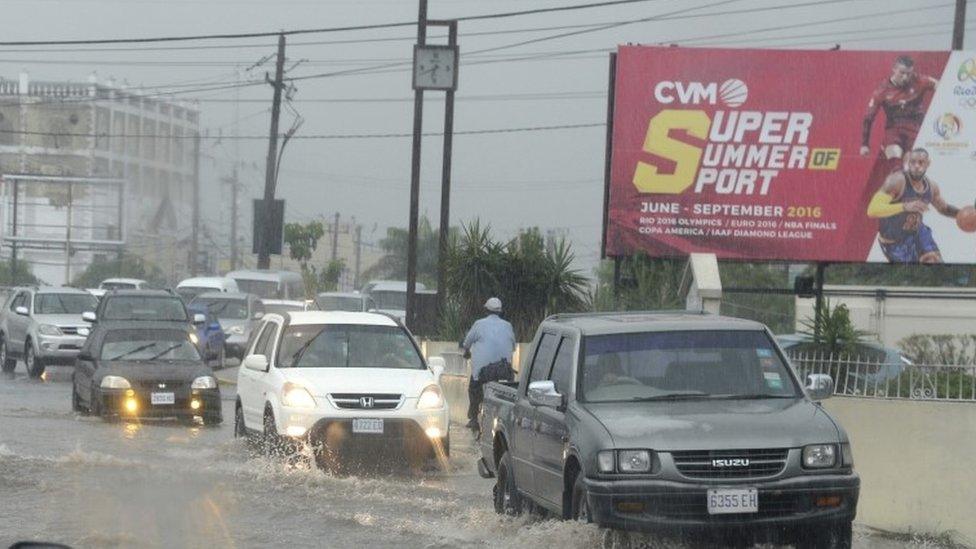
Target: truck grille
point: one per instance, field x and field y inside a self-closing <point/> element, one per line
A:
<point x="69" y="330"/>
<point x="730" y="464"/>
<point x="366" y="401"/>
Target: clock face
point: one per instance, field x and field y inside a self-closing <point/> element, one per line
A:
<point x="434" y="67"/>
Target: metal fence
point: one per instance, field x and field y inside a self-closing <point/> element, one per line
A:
<point x="858" y="376"/>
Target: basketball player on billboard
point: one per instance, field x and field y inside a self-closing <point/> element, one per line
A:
<point x="904" y="97"/>
<point x="898" y="207"/>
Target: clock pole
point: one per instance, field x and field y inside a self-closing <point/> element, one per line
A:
<point x="446" y="182"/>
<point x="418" y="119"/>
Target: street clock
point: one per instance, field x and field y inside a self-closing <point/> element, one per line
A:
<point x="435" y="67"/>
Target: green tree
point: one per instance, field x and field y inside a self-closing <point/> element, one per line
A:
<point x="24" y="275"/>
<point x="302" y="241"/>
<point x="393" y="264"/>
<point x="329" y="277"/>
<point x="128" y="266"/>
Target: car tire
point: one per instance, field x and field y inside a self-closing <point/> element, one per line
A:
<point x="8" y="364"/>
<point x="828" y="536"/>
<point x="507" y="499"/>
<point x="581" y="503"/>
<point x="76" y="400"/>
<point x="270" y="441"/>
<point x="212" y="417"/>
<point x="35" y="368"/>
<point x="240" y="429"/>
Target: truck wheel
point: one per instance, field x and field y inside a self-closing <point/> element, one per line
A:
<point x="240" y="431"/>
<point x="507" y="499"/>
<point x="832" y="536"/>
<point x="35" y="368"/>
<point x="581" y="504"/>
<point x="212" y="417"/>
<point x="8" y="364"/>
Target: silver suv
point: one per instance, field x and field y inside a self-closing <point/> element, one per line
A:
<point x="43" y="326"/>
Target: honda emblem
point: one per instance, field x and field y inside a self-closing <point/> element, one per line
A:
<point x="366" y="402"/>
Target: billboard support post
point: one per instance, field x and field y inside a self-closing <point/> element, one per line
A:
<point x="607" y="164"/>
<point x="616" y="279"/>
<point x="959" y="25"/>
<point x="818" y="284"/>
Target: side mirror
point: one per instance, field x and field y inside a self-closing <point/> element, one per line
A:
<point x="256" y="362"/>
<point x="819" y="386"/>
<point x="89" y="316"/>
<point x="199" y="319"/>
<point x="543" y="393"/>
<point x="22" y="311"/>
<point x="437" y="365"/>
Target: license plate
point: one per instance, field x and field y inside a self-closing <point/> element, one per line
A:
<point x="162" y="398"/>
<point x="368" y="426"/>
<point x="729" y="501"/>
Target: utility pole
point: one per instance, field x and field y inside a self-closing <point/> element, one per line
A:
<point x="234" y="189"/>
<point x="194" y="239"/>
<point x="264" y="244"/>
<point x="359" y="251"/>
<point x="446" y="182"/>
<point x="959" y="26"/>
<point x="418" y="121"/>
<point x="67" y="242"/>
<point x="335" y="236"/>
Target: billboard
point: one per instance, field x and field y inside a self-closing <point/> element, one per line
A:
<point x="793" y="155"/>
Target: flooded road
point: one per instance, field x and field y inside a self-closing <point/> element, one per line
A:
<point x="78" y="480"/>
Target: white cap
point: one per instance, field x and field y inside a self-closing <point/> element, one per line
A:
<point x="493" y="305"/>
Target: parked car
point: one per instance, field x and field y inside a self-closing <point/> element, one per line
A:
<point x="344" y="301"/>
<point x="151" y="369"/>
<point x="237" y="314"/>
<point x="192" y="287"/>
<point x="279" y="306"/>
<point x="210" y="336"/>
<point x="881" y="364"/>
<point x="123" y="284"/>
<point x="669" y="421"/>
<point x="343" y="382"/>
<point x="269" y="284"/>
<point x="43" y="326"/>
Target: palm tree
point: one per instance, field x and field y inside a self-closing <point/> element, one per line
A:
<point x="393" y="264"/>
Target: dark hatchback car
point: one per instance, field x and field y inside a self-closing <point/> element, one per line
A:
<point x="144" y="370"/>
<point x="142" y="305"/>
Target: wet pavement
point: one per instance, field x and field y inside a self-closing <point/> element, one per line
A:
<point x="78" y="480"/>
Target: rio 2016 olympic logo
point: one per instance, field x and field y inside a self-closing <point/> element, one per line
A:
<point x="967" y="70"/>
<point x="948" y="126"/>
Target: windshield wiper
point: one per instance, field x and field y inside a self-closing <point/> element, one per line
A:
<point x="297" y="355"/>
<point x="752" y="396"/>
<point x="133" y="351"/>
<point x="684" y="395"/>
<point x="164" y="351"/>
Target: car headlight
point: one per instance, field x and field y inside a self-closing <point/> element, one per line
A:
<point x="296" y="396"/>
<point x="115" y="382"/>
<point x="430" y="398"/>
<point x="236" y="330"/>
<point x="84" y="331"/>
<point x="604" y="461"/>
<point x="819" y="456"/>
<point x="204" y="382"/>
<point x="634" y="461"/>
<point x="49" y="330"/>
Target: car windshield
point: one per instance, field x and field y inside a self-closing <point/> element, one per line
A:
<point x="347" y="346"/>
<point x="64" y="304"/>
<point x="117" y="286"/>
<point x="694" y="364"/>
<point x="390" y="300"/>
<point x="279" y="308"/>
<point x="268" y="289"/>
<point x="227" y="309"/>
<point x="142" y="345"/>
<point x="339" y="303"/>
<point x="131" y="307"/>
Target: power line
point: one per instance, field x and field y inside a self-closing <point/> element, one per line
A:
<point x="293" y="32"/>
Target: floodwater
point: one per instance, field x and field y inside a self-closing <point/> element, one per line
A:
<point x="78" y="480"/>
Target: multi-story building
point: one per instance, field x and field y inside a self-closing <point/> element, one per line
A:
<point x="100" y="130"/>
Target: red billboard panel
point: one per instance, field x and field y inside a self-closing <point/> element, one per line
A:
<point x="794" y="155"/>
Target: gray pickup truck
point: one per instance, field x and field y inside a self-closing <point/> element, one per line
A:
<point x="669" y="421"/>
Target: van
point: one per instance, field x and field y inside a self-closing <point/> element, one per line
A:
<point x="192" y="287"/>
<point x="268" y="284"/>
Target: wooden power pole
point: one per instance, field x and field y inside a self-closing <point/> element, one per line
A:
<point x="959" y="25"/>
<point x="264" y="235"/>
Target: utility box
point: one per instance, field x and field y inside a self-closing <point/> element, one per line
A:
<point x="704" y="284"/>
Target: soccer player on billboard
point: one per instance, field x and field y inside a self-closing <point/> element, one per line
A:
<point x="904" y="98"/>
<point x="899" y="206"/>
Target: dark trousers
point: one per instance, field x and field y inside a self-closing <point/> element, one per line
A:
<point x="476" y="395"/>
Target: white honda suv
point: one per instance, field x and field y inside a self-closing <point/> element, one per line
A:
<point x="341" y="381"/>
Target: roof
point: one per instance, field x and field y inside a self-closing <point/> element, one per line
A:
<point x="355" y="295"/>
<point x="297" y="302"/>
<point x="238" y="296"/>
<point x="145" y="292"/>
<point x="340" y="317"/>
<point x="263" y="274"/>
<point x="124" y="280"/>
<point x="651" y="321"/>
<point x="207" y="281"/>
<point x="59" y="290"/>
<point x="391" y="286"/>
<point x="109" y="325"/>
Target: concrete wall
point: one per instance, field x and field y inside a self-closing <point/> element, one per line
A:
<point x="916" y="463"/>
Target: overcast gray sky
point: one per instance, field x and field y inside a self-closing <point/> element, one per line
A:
<point x="550" y="179"/>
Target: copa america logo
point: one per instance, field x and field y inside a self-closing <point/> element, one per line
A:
<point x="948" y="126"/>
